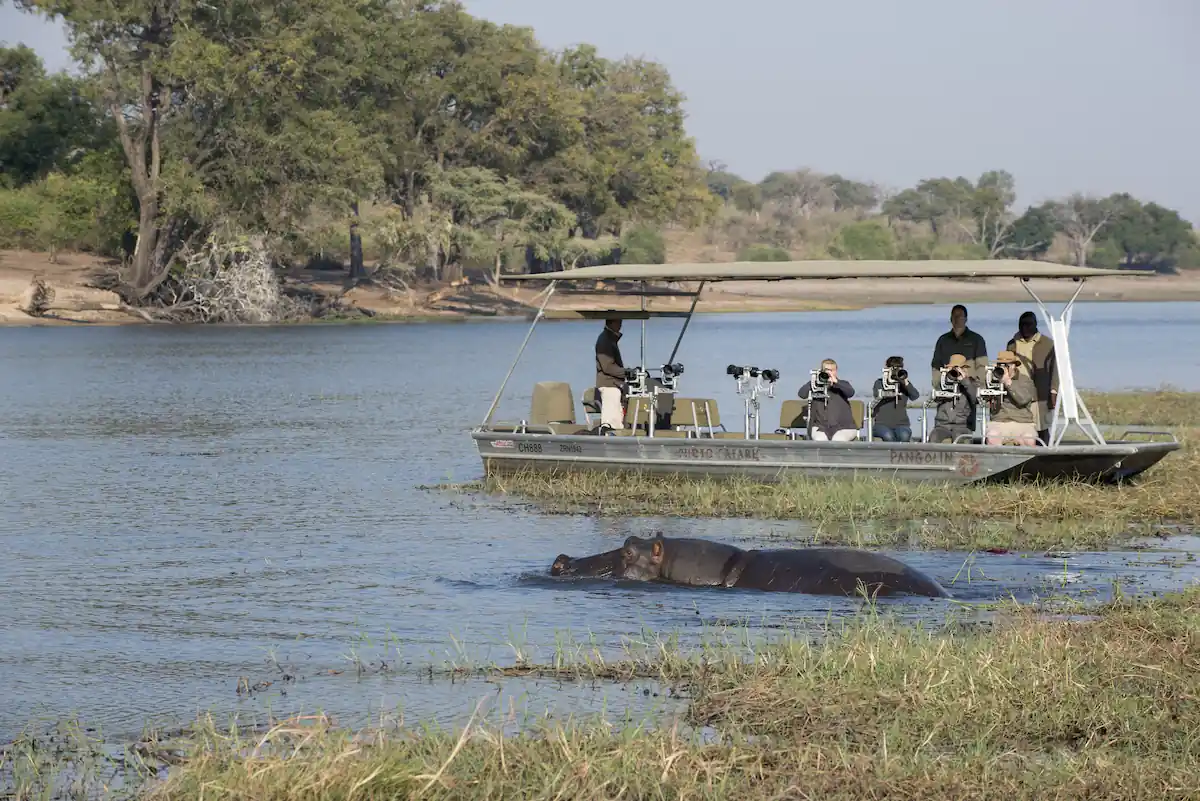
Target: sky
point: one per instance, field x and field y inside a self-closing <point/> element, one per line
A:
<point x="1097" y="96"/>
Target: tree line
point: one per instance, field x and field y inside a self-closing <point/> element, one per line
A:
<point x="434" y="141"/>
<point x="949" y="218"/>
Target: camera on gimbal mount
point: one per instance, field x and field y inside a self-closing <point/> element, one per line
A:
<point x="892" y="376"/>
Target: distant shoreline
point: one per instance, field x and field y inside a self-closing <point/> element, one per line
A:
<point x="77" y="304"/>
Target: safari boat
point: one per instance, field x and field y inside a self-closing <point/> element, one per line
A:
<point x="666" y="433"/>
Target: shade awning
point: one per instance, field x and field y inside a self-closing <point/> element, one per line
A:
<point x="830" y="270"/>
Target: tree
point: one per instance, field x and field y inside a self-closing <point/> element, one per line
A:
<point x="850" y="195"/>
<point x="1031" y="235"/>
<point x="933" y="201"/>
<point x="1080" y="218"/>
<point x="228" y="108"/>
<point x="991" y="211"/>
<point x="798" y="192"/>
<point x="45" y="121"/>
<point x="1146" y="235"/>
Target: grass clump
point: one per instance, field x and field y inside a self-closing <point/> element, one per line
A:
<point x="1028" y="708"/>
<point x="864" y="510"/>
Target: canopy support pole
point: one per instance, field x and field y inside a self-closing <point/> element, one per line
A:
<point x="643" y="302"/>
<point x="528" y="334"/>
<point x="688" y="319"/>
<point x="1070" y="407"/>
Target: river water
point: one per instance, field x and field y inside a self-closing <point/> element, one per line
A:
<point x="186" y="506"/>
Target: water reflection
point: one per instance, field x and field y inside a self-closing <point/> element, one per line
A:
<point x="186" y="506"/>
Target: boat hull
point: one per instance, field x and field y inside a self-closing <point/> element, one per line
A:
<point x="774" y="460"/>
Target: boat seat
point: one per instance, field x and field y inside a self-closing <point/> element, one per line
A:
<point x="568" y="428"/>
<point x="591" y="401"/>
<point x="858" y="408"/>
<point x="552" y="403"/>
<point x="793" y="421"/>
<point x="696" y="413"/>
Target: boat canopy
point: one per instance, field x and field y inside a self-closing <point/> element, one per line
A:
<point x="830" y="269"/>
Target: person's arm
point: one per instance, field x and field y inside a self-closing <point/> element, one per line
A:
<point x="1021" y="392"/>
<point x="980" y="363"/>
<point x="970" y="390"/>
<point x="877" y="390"/>
<point x="1052" y="366"/>
<point x="843" y="388"/>
<point x="936" y="363"/>
<point x="912" y="392"/>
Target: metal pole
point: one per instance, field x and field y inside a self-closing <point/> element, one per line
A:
<point x="688" y="319"/>
<point x="528" y="334"/>
<point x="643" y="324"/>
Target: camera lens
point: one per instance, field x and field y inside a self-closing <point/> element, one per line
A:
<point x="771" y="375"/>
<point x="733" y="369"/>
<point x="901" y="374"/>
<point x="823" y="375"/>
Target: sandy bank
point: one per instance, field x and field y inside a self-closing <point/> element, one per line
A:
<point x="76" y="303"/>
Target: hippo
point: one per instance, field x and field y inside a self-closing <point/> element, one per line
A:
<point x="698" y="562"/>
<point x="602" y="565"/>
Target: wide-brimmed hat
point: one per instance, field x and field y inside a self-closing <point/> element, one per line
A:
<point x="1007" y="357"/>
<point x="957" y="360"/>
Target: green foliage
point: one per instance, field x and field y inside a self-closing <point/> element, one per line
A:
<point x="1145" y="235"/>
<point x="44" y="119"/>
<point x="1031" y="235"/>
<point x="868" y="239"/>
<point x="643" y="244"/>
<point x="763" y="252"/>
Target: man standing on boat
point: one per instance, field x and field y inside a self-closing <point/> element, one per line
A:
<point x="830" y="417"/>
<point x="1036" y="353"/>
<point x="961" y="341"/>
<point x="610" y="375"/>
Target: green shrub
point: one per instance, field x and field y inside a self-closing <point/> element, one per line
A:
<point x="763" y="253"/>
<point x="867" y="239"/>
<point x="643" y="245"/>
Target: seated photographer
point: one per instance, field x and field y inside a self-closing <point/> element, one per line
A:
<point x="830" y="416"/>
<point x="890" y="413"/>
<point x="1014" y="419"/>
<point x="956" y="410"/>
<point x="610" y="375"/>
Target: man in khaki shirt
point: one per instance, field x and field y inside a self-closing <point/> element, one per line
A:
<point x="1036" y="352"/>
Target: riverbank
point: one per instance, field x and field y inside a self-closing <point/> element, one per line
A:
<point x="75" y="302"/>
<point x="875" y="511"/>
<point x="1095" y="704"/>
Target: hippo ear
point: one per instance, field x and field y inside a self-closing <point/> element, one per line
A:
<point x="656" y="551"/>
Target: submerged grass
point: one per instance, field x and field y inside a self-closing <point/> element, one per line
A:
<point x="851" y="510"/>
<point x="1030" y="707"/>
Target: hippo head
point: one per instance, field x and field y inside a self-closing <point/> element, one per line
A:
<point x="599" y="565"/>
<point x="641" y="559"/>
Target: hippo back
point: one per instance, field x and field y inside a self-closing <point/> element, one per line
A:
<point x="833" y="571"/>
<point x="696" y="561"/>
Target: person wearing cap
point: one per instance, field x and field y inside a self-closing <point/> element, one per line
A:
<point x="610" y="375"/>
<point x="1036" y="352"/>
<point x="955" y="416"/>
<point x="1013" y="418"/>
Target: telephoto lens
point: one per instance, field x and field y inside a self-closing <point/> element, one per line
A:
<point x="770" y="375"/>
<point x="901" y="374"/>
<point x="823" y="376"/>
<point x="733" y="369"/>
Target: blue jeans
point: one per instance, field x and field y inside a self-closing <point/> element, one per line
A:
<point x="897" y="434"/>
